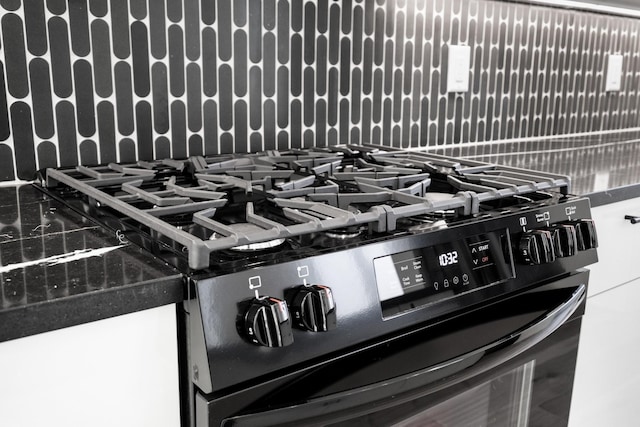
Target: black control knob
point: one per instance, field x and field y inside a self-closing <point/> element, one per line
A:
<point x="313" y="308"/>
<point x="267" y="322"/>
<point x="565" y="239"/>
<point x="536" y="247"/>
<point x="586" y="233"/>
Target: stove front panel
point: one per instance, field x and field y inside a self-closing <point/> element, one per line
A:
<point x="356" y="278"/>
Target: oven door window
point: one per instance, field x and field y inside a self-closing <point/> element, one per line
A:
<point x="502" y="401"/>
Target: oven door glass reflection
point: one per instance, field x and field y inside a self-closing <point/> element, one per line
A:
<point x="503" y="401"/>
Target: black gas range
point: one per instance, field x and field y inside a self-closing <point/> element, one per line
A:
<point x="303" y="259"/>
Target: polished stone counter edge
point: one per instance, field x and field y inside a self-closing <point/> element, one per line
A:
<point x="78" y="309"/>
<point x="614" y="195"/>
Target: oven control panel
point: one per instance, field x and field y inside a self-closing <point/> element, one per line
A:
<point x="427" y="275"/>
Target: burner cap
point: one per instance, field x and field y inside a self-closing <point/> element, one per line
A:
<point x="244" y="228"/>
<point x="344" y="233"/>
<point x="259" y="246"/>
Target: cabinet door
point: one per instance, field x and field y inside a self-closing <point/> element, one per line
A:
<point x="121" y="371"/>
<point x="619" y="246"/>
<point x="607" y="381"/>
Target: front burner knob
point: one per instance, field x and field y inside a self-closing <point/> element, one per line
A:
<point x="313" y="308"/>
<point x="267" y="322"/>
<point x="536" y="247"/>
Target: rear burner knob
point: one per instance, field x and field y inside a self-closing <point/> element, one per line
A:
<point x="586" y="232"/>
<point x="536" y="247"/>
<point x="267" y="322"/>
<point x="565" y="240"/>
<point x="313" y="308"/>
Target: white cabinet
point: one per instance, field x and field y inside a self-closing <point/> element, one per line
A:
<point x="121" y="371"/>
<point x="607" y="382"/>
<point x="619" y="246"/>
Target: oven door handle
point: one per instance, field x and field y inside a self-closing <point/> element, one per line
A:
<point x="360" y="401"/>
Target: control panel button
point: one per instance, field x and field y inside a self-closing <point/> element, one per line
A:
<point x="267" y="322"/>
<point x="565" y="240"/>
<point x="536" y="247"/>
<point x="313" y="308"/>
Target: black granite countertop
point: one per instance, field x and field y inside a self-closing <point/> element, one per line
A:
<point x="59" y="269"/>
<point x="605" y="167"/>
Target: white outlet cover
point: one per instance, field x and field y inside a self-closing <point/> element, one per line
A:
<point x="458" y="68"/>
<point x="613" y="80"/>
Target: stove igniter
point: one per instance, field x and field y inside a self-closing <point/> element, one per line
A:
<point x="312" y="307"/>
<point x="267" y="322"/>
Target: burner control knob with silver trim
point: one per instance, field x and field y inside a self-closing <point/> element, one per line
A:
<point x="312" y="308"/>
<point x="536" y="247"/>
<point x="565" y="239"/>
<point x="586" y="233"/>
<point x="267" y="322"/>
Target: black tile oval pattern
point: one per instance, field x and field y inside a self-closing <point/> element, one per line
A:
<point x="176" y="60"/>
<point x="61" y="57"/>
<point x="140" y="56"/>
<point x="98" y="8"/>
<point x="157" y="30"/>
<point x="84" y="98"/>
<point x="6" y="163"/>
<point x="79" y="24"/>
<point x="124" y="97"/>
<point x="127" y="149"/>
<point x="160" y="100"/>
<point x="23" y="140"/>
<point x="88" y="153"/>
<point x="47" y="155"/>
<point x="42" y="104"/>
<point x="178" y="130"/>
<point x="35" y="25"/>
<point x="120" y="28"/>
<point x="192" y="29"/>
<point x="67" y="142"/>
<point x="106" y="132"/>
<point x="144" y="131"/>
<point x="194" y="97"/>
<point x="4" y="111"/>
<point x="15" y="56"/>
<point x="196" y="76"/>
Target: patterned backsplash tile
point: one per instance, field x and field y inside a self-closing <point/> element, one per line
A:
<point x="86" y="82"/>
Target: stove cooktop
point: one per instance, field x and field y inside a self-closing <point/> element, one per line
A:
<point x="224" y="211"/>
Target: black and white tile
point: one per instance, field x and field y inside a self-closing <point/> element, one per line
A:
<point x="101" y="81"/>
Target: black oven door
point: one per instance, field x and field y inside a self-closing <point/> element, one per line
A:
<point x="510" y="363"/>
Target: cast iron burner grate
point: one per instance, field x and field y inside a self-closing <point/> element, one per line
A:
<point x="335" y="194"/>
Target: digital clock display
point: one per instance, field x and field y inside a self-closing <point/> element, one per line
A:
<point x="448" y="258"/>
<point x="422" y="276"/>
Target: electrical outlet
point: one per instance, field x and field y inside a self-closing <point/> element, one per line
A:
<point x="613" y="80"/>
<point x="458" y="68"/>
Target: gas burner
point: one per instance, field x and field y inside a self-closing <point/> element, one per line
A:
<point x="245" y="228"/>
<point x="429" y="217"/>
<point x="261" y="246"/>
<point x="428" y="226"/>
<point x="344" y="233"/>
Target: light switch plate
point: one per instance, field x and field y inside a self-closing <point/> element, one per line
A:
<point x="613" y="80"/>
<point x="458" y="68"/>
